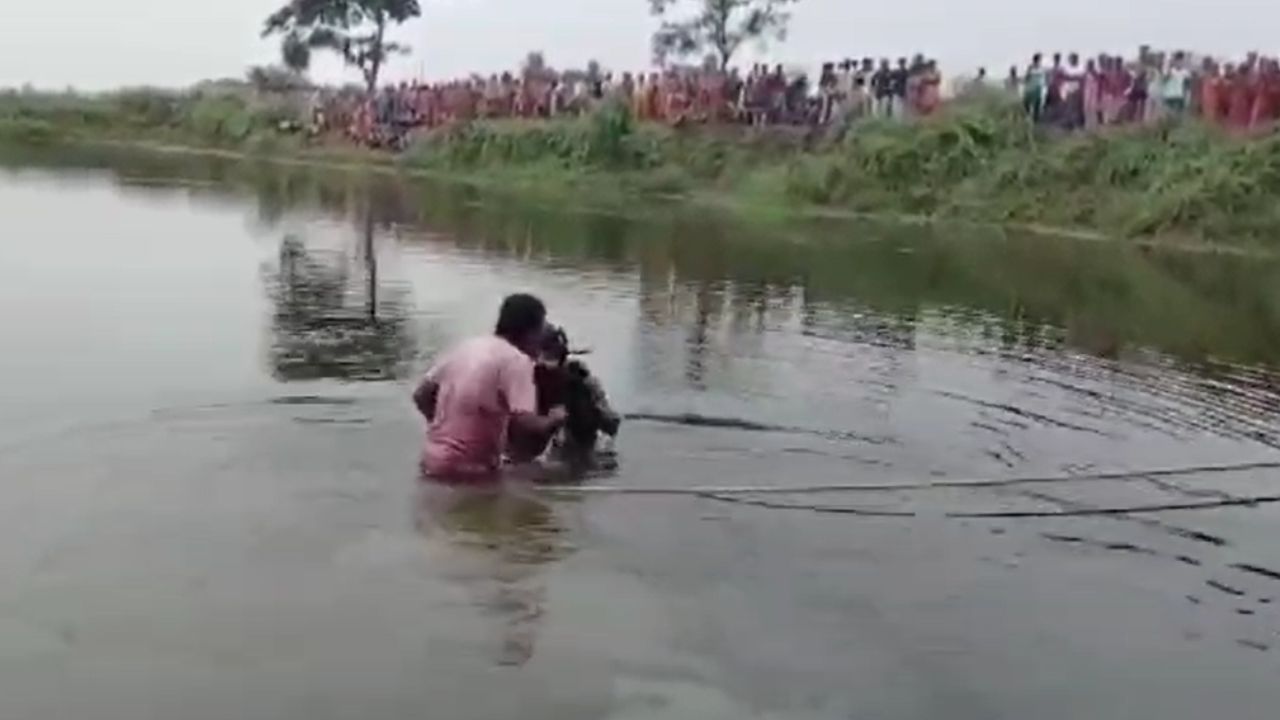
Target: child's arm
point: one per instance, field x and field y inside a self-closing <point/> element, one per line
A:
<point x="610" y="421"/>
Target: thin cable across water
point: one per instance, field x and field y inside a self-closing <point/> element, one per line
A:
<point x="1001" y="514"/>
<point x="898" y="486"/>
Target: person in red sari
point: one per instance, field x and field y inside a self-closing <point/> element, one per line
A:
<point x="626" y="90"/>
<point x="677" y="97"/>
<point x="1210" y="91"/>
<point x="1273" y="89"/>
<point x="1240" y="99"/>
<point x="364" y="123"/>
<point x="639" y="98"/>
<point x="439" y="111"/>
<point x="1053" y="91"/>
<point x="1262" y="86"/>
<point x="700" y="96"/>
<point x="929" y="89"/>
<point x="1091" y="87"/>
<point x="656" y="98"/>
<point x="463" y="105"/>
<point x="1115" y="86"/>
<point x="718" y="96"/>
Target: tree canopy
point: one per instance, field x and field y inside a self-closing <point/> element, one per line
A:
<point x="354" y="29"/>
<point x="275" y="79"/>
<point x="717" y="26"/>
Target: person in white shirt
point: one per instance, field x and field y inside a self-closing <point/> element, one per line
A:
<point x="1072" y="93"/>
<point x="1175" y="85"/>
<point x="844" y="89"/>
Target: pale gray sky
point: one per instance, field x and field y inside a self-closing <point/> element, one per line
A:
<point x="106" y="43"/>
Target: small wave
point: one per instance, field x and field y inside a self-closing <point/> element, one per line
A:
<point x="311" y="400"/>
<point x="1023" y="413"/>
<point x="1257" y="570"/>
<point x="728" y="423"/>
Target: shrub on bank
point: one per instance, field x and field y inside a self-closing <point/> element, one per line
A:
<point x="224" y="119"/>
<point x="607" y="139"/>
<point x="978" y="160"/>
<point x="987" y="162"/>
<point x="66" y="111"/>
<point x="22" y="131"/>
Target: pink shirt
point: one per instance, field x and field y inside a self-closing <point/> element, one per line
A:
<point x="482" y="383"/>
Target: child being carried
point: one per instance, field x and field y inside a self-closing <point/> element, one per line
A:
<point x="567" y="383"/>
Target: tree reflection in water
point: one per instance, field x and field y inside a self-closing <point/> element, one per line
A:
<point x="330" y="322"/>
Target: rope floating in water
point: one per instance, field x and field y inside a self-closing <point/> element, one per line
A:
<point x="1001" y="514"/>
<point x="705" y="491"/>
<point x="742" y="495"/>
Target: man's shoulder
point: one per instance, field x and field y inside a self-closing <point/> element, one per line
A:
<point x="484" y="354"/>
<point x="500" y="351"/>
<point x="488" y="344"/>
<point x="479" y="346"/>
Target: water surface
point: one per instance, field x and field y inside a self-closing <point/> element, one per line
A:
<point x="209" y="507"/>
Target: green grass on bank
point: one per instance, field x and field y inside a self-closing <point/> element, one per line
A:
<point x="220" y="119"/>
<point x="980" y="160"/>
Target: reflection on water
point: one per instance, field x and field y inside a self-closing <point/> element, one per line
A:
<point x="222" y="472"/>
<point x="318" y="333"/>
<point x="495" y="542"/>
<point x="713" y="274"/>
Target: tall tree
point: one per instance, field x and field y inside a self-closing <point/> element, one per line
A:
<point x="354" y="29"/>
<point x="717" y="26"/>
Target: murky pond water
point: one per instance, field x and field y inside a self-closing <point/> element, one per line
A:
<point x="209" y="505"/>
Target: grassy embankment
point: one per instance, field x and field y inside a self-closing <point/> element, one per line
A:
<point x="223" y="120"/>
<point x="980" y="161"/>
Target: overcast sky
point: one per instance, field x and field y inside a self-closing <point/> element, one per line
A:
<point x="106" y="43"/>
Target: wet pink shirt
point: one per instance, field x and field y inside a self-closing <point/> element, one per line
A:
<point x="482" y="383"/>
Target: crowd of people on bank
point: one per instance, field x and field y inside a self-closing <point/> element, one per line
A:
<point x="766" y="95"/>
<point x="1108" y="90"/>
<point x="1064" y="91"/>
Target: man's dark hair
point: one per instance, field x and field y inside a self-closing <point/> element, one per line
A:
<point x="520" y="315"/>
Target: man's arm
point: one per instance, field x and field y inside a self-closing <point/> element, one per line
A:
<point x="541" y="426"/>
<point x="609" y="418"/>
<point x="521" y="395"/>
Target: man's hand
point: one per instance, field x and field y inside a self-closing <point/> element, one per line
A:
<point x="543" y="425"/>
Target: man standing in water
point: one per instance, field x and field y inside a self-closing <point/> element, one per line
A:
<point x="480" y="388"/>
